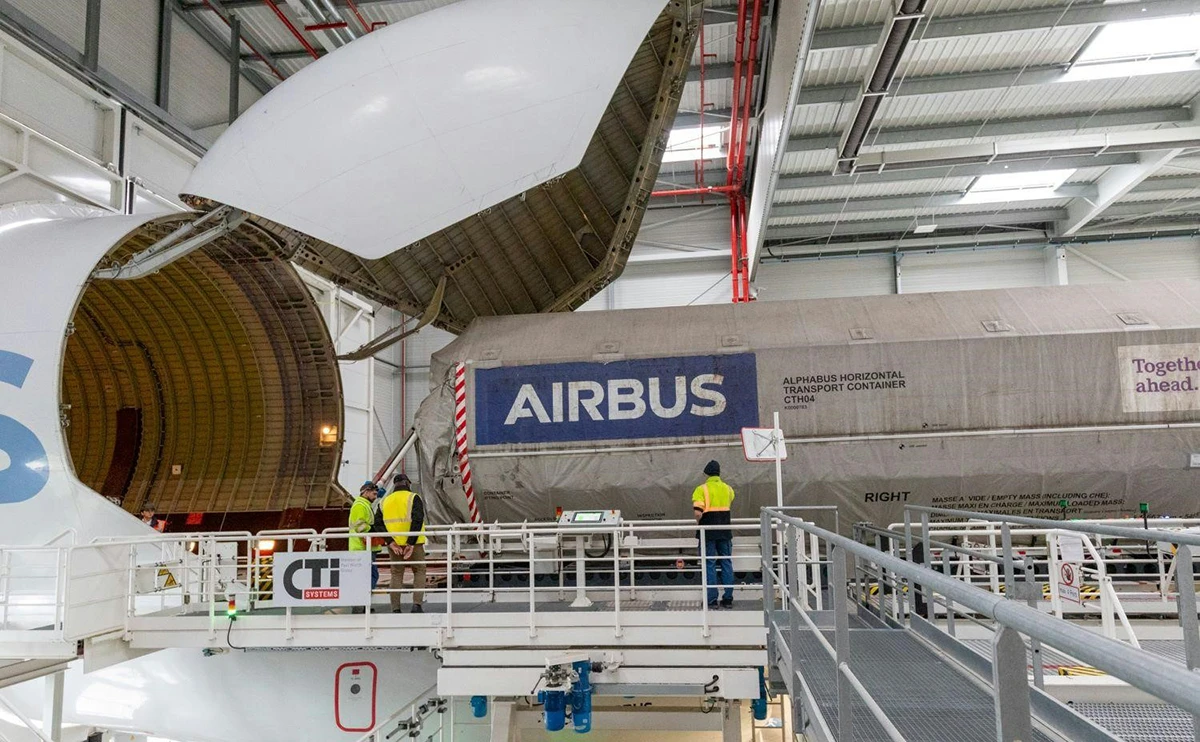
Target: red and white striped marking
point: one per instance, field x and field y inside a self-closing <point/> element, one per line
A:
<point x="460" y="438"/>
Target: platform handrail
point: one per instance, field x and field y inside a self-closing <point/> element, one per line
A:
<point x="1157" y="676"/>
<point x="1134" y="534"/>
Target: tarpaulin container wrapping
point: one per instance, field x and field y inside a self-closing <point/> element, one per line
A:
<point x="1004" y="401"/>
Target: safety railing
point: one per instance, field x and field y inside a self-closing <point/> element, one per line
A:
<point x="423" y="717"/>
<point x="1012" y="621"/>
<point x="1105" y="567"/>
<point x="533" y="567"/>
<point x="528" y="568"/>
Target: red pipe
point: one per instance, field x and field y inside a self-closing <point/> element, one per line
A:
<point x="354" y="9"/>
<point x="748" y="92"/>
<point x="739" y="49"/>
<point x="698" y="191"/>
<point x="326" y="26"/>
<point x="247" y="43"/>
<point x="733" y="252"/>
<point x="291" y="27"/>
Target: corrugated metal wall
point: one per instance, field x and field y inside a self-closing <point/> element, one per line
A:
<point x="960" y="271"/>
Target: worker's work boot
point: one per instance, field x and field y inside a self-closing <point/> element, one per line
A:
<point x="417" y="608"/>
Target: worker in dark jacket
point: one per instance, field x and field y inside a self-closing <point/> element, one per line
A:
<point x="711" y="503"/>
<point x="404" y="515"/>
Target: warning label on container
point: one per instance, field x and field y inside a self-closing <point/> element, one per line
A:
<point x="1035" y="504"/>
<point x="1159" y="378"/>
<point x="801" y="391"/>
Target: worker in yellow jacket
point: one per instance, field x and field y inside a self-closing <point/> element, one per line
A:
<point x="404" y="515"/>
<point x="711" y="503"/>
<point x="362" y="518"/>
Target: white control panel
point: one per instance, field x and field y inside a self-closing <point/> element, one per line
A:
<point x="354" y="696"/>
<point x="589" y="517"/>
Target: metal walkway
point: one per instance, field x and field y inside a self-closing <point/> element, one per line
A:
<point x="893" y="667"/>
<point x="921" y="693"/>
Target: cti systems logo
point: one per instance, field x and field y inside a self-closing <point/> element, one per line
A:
<point x="27" y="470"/>
<point x="317" y="589"/>
<point x="687" y="396"/>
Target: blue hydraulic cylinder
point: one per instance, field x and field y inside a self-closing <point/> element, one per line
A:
<point x="759" y="705"/>
<point x="554" y="709"/>
<point x="581" y="697"/>
<point x="479" y="706"/>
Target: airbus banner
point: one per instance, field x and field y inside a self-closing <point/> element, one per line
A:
<point x="681" y="397"/>
<point x="322" y="578"/>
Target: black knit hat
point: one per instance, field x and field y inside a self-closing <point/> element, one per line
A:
<point x="712" y="469"/>
<point x="401" y="479"/>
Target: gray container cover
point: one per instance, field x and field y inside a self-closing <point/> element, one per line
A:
<point x="1005" y="401"/>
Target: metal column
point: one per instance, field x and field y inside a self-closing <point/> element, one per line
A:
<point x="841" y="623"/>
<point x="1185" y="583"/>
<point x="91" y="36"/>
<point x="166" y="25"/>
<point x="235" y="65"/>
<point x="52" y="706"/>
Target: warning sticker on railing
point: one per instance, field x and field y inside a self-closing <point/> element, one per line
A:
<point x="1069" y="578"/>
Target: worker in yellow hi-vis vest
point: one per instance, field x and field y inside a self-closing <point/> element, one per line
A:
<point x="711" y="502"/>
<point x="404" y="515"/>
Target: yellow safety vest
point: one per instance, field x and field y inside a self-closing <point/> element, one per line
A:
<point x="397" y="515"/>
<point x="713" y="496"/>
<point x="362" y="517"/>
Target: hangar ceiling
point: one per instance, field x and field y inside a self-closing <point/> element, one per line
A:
<point x="1045" y="80"/>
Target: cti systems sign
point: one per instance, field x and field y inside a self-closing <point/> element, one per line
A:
<point x="687" y="396"/>
<point x="322" y="578"/>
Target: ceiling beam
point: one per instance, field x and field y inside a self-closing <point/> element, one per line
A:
<point x="1001" y="127"/>
<point x="825" y="180"/>
<point x="940" y="84"/>
<point x="1148" y="140"/>
<point x="899" y="226"/>
<point x="1110" y="188"/>
<point x="917" y="203"/>
<point x="1080" y="14"/>
<point x="717" y="117"/>
<point x="221" y="46"/>
<point x="795" y="28"/>
<point x="712" y="16"/>
<point x="1173" y="183"/>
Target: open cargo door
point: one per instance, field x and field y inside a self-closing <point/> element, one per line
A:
<point x="501" y="150"/>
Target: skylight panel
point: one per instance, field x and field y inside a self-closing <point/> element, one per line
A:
<point x="685" y="144"/>
<point x="1150" y="39"/>
<point x="1002" y="187"/>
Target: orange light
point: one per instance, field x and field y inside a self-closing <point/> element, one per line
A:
<point x="266" y="545"/>
<point x="329" y="435"/>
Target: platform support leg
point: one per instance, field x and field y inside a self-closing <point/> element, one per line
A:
<point x="731" y="722"/>
<point x="53" y="706"/>
<point x="841" y="623"/>
<point x="503" y="717"/>
<point x="1011" y="687"/>
<point x="1185" y="583"/>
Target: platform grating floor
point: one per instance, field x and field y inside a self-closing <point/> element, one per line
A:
<point x="925" y="698"/>
<point x="1140" y="722"/>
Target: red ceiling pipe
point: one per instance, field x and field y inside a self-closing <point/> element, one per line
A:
<point x="361" y="21"/>
<point x="706" y="190"/>
<point x="326" y="26"/>
<point x="733" y="252"/>
<point x="291" y="27"/>
<point x="744" y="269"/>
<point x="256" y="52"/>
<point x="739" y="49"/>
<point x="748" y="91"/>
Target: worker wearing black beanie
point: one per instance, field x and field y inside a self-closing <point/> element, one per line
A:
<point x="711" y="503"/>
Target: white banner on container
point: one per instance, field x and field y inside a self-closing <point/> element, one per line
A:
<point x="322" y="578"/>
<point x="1159" y="378"/>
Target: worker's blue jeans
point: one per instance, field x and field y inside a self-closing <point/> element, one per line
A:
<point x="374" y="574"/>
<point x="718" y="553"/>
